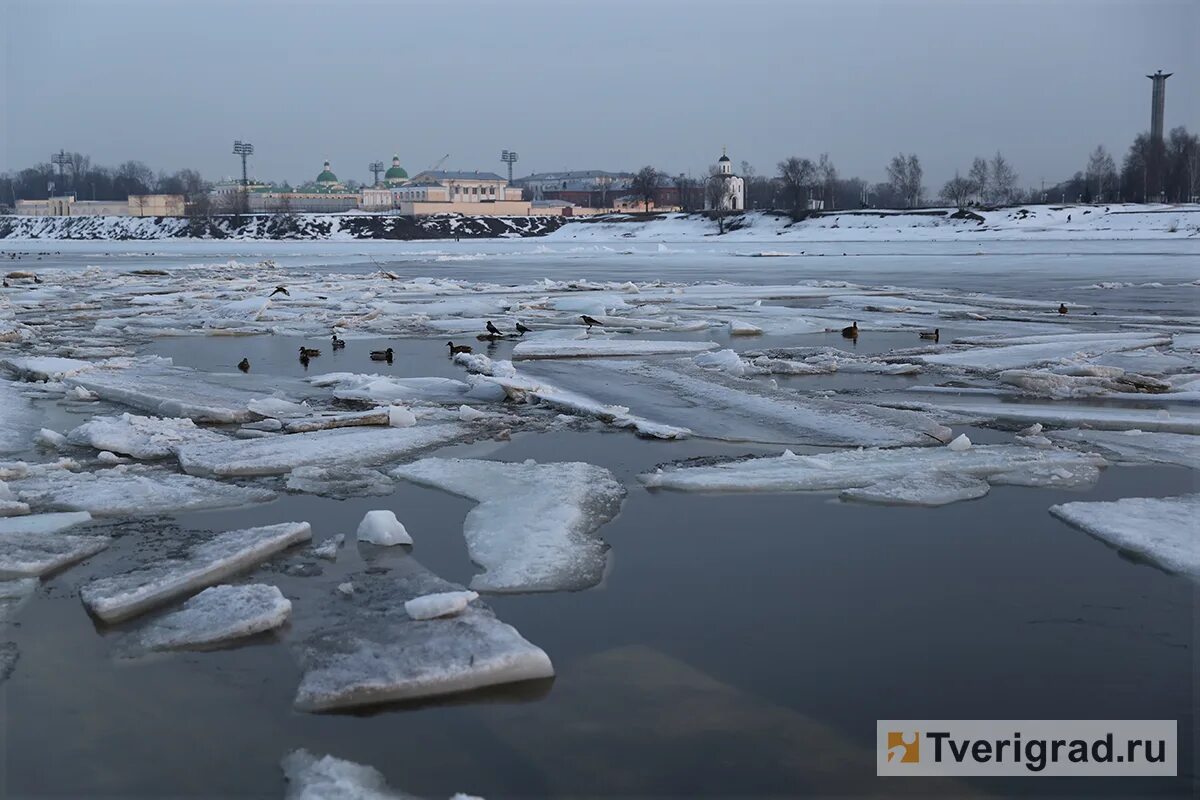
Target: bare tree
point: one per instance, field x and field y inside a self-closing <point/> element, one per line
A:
<point x="828" y="175"/>
<point x="958" y="190"/>
<point x="796" y="176"/>
<point x="979" y="177"/>
<point x="645" y="185"/>
<point x="1101" y="173"/>
<point x="684" y="186"/>
<point x="1003" y="180"/>
<point x="904" y="177"/>
<point x="718" y="196"/>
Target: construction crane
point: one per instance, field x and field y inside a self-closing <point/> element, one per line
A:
<point x="439" y="163"/>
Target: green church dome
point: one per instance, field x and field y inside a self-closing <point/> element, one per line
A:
<point x="395" y="172"/>
<point x="327" y="175"/>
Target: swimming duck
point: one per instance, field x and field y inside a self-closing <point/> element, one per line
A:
<point x="337" y="343"/>
<point x="244" y="365"/>
<point x="851" y="331"/>
<point x="303" y="358"/>
<point x="280" y="290"/>
<point x="933" y="334"/>
<point x="458" y="348"/>
<point x="590" y="321"/>
<point x="522" y="330"/>
<point x="1062" y="308"/>
<point x="381" y="355"/>
<point x="493" y="330"/>
<point x="310" y="352"/>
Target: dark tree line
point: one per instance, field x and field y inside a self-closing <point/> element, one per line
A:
<point x="92" y="182"/>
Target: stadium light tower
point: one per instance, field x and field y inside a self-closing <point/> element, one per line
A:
<point x="509" y="157"/>
<point x="243" y="149"/>
<point x="61" y="159"/>
<point x="376" y="168"/>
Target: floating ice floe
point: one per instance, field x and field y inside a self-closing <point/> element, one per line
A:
<point x="338" y="447"/>
<point x="26" y="552"/>
<point x="217" y="615"/>
<point x="382" y="528"/>
<point x="140" y="437"/>
<point x="19" y="421"/>
<point x="1057" y="385"/>
<point x="339" y="481"/>
<point x="604" y="347"/>
<point x="902" y="475"/>
<point x="171" y="391"/>
<point x="1030" y="351"/>
<point x="44" y="368"/>
<point x="13" y="595"/>
<point x="44" y="523"/>
<point x="1072" y="415"/>
<point x="1138" y="446"/>
<point x="328" y="549"/>
<point x="373" y="652"/>
<point x="535" y="526"/>
<point x="1161" y="530"/>
<point x="132" y="490"/>
<point x="717" y="406"/>
<point x="328" y="778"/>
<point x="208" y="562"/>
<point x="384" y="389"/>
<point x="278" y="408"/>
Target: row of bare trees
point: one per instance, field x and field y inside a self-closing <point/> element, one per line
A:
<point x="991" y="182"/>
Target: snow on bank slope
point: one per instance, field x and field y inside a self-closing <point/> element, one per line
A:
<point x="1126" y="221"/>
<point x="311" y="227"/>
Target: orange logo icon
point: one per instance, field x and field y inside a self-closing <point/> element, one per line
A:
<point x="904" y="747"/>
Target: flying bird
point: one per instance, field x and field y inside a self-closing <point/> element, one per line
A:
<point x="280" y="290"/>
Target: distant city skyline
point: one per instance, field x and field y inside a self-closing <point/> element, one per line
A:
<point x="570" y="86"/>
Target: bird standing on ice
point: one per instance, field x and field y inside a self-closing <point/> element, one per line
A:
<point x="493" y="330"/>
<point x="590" y="321"/>
<point x="522" y="330"/>
<point x="1062" y="308"/>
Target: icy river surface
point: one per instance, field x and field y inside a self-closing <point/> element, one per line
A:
<point x="693" y="548"/>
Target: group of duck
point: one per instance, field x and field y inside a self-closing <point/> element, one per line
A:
<point x="851" y="330"/>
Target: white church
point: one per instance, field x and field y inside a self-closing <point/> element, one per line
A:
<point x="729" y="194"/>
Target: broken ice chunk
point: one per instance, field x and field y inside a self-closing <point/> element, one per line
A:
<point x="339" y="481"/>
<point x="38" y="553"/>
<point x="133" y="490"/>
<point x="372" y="652"/>
<point x="328" y="549"/>
<point x="329" y="778"/>
<point x="278" y="408"/>
<point x="140" y="437"/>
<point x="44" y="523"/>
<point x="218" y="614"/>
<point x="960" y="443"/>
<point x="211" y="561"/>
<point x="594" y="348"/>
<point x="1139" y="446"/>
<point x="337" y="447"/>
<point x="441" y="604"/>
<point x="382" y="528"/>
<point x="1162" y="530"/>
<point x="535" y="526"/>
<point x="882" y="472"/>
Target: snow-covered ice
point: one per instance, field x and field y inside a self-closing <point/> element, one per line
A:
<point x="44" y="523"/>
<point x="1138" y="446"/>
<point x="382" y="528"/>
<point x="329" y="778"/>
<point x="604" y="347"/>
<point x="373" y="652"/>
<point x="37" y="553"/>
<point x="339" y="481"/>
<point x="208" y="562"/>
<point x="140" y="437"/>
<point x="889" y="474"/>
<point x="1162" y="530"/>
<point x="216" y="615"/>
<point x="133" y="491"/>
<point x="337" y="447"/>
<point x="535" y="526"/>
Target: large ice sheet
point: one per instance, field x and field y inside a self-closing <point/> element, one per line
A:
<point x="1138" y="446"/>
<point x="25" y="553"/>
<point x="718" y="406"/>
<point x="384" y="389"/>
<point x="132" y="490"/>
<point x="171" y="391"/>
<point x="140" y="437"/>
<point x="594" y="347"/>
<point x="372" y="652"/>
<point x="44" y="368"/>
<point x="889" y="475"/>
<point x="1071" y="415"/>
<point x="44" y="523"/>
<point x="535" y="526"/>
<point x="18" y="421"/>
<point x="217" y="615"/>
<point x="206" y="563"/>
<point x="337" y="447"/>
<point x="1051" y="350"/>
<point x="1162" y="530"/>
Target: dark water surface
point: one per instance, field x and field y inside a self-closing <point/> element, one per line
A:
<point x="740" y="645"/>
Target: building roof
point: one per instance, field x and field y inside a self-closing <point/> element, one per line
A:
<point x="326" y="175"/>
<point x="459" y="175"/>
<point x="395" y="172"/>
<point x="723" y="157"/>
<point x="572" y="175"/>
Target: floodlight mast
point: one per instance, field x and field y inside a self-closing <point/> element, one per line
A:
<point x="509" y="157"/>
<point x="243" y="149"/>
<point x="376" y="167"/>
<point x="61" y="159"/>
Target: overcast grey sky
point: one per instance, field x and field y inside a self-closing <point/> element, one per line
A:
<point x="606" y="84"/>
